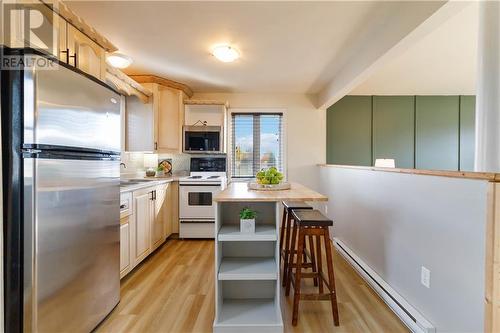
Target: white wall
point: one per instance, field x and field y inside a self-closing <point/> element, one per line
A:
<point x="397" y="223"/>
<point x="305" y="128"/>
<point x="442" y="63"/>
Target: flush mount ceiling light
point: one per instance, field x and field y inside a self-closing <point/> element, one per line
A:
<point x="225" y="53"/>
<point x="118" y="60"/>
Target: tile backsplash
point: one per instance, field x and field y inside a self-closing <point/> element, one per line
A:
<point x="135" y="162"/>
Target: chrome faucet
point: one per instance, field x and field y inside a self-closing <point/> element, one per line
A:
<point x="124" y="166"/>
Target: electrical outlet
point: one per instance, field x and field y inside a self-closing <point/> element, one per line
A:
<point x="326" y="210"/>
<point x="425" y="277"/>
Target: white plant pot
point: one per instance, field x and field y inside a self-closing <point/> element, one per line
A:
<point x="247" y="226"/>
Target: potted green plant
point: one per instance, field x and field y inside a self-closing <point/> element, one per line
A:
<point x="160" y="171"/>
<point x="247" y="220"/>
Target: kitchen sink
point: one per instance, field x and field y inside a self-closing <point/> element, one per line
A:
<point x="126" y="182"/>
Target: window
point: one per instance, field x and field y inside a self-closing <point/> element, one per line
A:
<point x="256" y="143"/>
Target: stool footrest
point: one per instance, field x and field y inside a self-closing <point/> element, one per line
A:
<point x="315" y="297"/>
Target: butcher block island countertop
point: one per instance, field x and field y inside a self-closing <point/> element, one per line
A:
<point x="240" y="192"/>
<point x="247" y="269"/>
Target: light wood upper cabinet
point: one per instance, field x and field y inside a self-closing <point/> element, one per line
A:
<point x="170" y="118"/>
<point x="157" y="125"/>
<point x="139" y="120"/>
<point x="85" y="54"/>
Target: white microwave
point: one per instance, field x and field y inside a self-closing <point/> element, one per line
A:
<point x="202" y="139"/>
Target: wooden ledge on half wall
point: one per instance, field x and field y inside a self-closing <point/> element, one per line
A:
<point x="489" y="176"/>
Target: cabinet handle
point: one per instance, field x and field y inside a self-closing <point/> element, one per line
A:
<point x="75" y="57"/>
<point x="152" y="196"/>
<point x="156" y="145"/>
<point x="155" y="194"/>
<point x="67" y="55"/>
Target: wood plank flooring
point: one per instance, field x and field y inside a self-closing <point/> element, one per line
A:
<point x="173" y="291"/>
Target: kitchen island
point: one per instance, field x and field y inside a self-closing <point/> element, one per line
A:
<point x="247" y="289"/>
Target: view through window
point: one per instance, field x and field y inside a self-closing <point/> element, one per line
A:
<point x="256" y="143"/>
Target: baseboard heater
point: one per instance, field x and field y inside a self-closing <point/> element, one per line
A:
<point x="408" y="314"/>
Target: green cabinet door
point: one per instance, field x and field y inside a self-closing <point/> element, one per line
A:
<point x="394" y="129"/>
<point x="437" y="128"/>
<point x="467" y="132"/>
<point x="349" y="134"/>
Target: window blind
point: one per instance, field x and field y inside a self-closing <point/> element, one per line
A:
<point x="257" y="143"/>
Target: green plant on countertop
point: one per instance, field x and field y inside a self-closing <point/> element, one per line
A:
<point x="247" y="214"/>
<point x="160" y="168"/>
<point x="270" y="176"/>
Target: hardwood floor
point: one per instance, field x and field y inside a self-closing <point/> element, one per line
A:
<point x="173" y="291"/>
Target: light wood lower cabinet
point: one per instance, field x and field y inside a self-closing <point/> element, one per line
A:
<point x="147" y="227"/>
<point x="143" y="201"/>
<point x="175" y="207"/>
<point x="125" y="240"/>
<point x="160" y="211"/>
<point x="169" y="217"/>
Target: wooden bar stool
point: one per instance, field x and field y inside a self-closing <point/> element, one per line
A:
<point x="311" y="223"/>
<point x="286" y="222"/>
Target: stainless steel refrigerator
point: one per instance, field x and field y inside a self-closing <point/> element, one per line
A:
<point x="61" y="174"/>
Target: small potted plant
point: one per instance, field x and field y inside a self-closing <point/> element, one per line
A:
<point x="160" y="171"/>
<point x="247" y="220"/>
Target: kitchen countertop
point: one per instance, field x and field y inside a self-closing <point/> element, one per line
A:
<point x="240" y="192"/>
<point x="151" y="181"/>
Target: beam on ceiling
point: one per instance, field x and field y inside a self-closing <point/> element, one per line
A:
<point x="381" y="46"/>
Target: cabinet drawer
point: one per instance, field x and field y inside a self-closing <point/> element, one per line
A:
<point x="126" y="206"/>
<point x="196" y="229"/>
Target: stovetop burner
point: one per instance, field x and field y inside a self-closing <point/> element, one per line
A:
<point x="195" y="177"/>
<point x="214" y="177"/>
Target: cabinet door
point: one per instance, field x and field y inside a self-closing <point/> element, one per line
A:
<point x="436" y="136"/>
<point x="158" y="232"/>
<point x="142" y="208"/>
<point x="169" y="203"/>
<point x="175" y="207"/>
<point x="124" y="246"/>
<point x="85" y="54"/>
<point x="394" y="129"/>
<point x="139" y="135"/>
<point x="169" y="120"/>
<point x="63" y="52"/>
<point x="349" y="131"/>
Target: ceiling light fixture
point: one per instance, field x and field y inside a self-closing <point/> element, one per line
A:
<point x="225" y="53"/>
<point x="118" y="60"/>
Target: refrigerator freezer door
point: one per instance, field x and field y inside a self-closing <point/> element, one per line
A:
<point x="72" y="243"/>
<point x="64" y="108"/>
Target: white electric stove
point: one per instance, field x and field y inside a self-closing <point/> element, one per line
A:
<point x="196" y="192"/>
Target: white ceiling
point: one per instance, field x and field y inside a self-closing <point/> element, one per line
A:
<point x="292" y="47"/>
<point x="442" y="63"/>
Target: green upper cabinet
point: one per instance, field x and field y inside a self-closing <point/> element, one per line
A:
<point x="467" y="132"/>
<point x="437" y="132"/>
<point x="394" y="129"/>
<point x="349" y="131"/>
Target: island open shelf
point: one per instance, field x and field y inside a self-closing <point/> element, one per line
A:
<point x="247" y="272"/>
<point x="249" y="306"/>
<point x="247" y="260"/>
